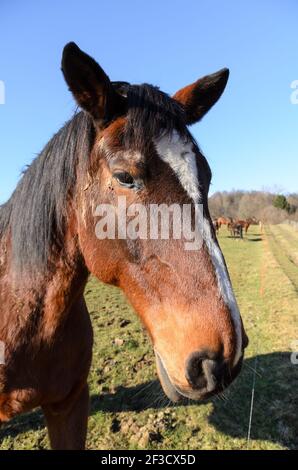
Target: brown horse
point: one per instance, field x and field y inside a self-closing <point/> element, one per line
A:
<point x="236" y="230"/>
<point x="130" y="141"/>
<point x="224" y="221"/>
<point x="215" y="225"/>
<point x="244" y="223"/>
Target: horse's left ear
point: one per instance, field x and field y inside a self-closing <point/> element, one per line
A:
<point x="200" y="96"/>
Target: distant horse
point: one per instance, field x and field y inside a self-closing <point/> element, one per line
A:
<point x="236" y="230"/>
<point x="246" y="223"/>
<point x="215" y="225"/>
<point x="224" y="221"/>
<point x="130" y="141"/>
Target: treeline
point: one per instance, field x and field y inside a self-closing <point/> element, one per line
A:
<point x="265" y="206"/>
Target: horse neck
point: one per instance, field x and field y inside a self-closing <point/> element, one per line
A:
<point x="65" y="288"/>
<point x="46" y="298"/>
<point x="68" y="282"/>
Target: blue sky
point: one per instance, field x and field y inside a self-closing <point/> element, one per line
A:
<point x="249" y="137"/>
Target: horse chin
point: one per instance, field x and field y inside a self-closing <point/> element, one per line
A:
<point x="167" y="386"/>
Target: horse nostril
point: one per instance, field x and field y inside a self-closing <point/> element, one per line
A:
<point x="210" y="368"/>
<point x="203" y="372"/>
<point x="194" y="371"/>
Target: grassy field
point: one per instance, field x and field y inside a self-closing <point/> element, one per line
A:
<point x="128" y="409"/>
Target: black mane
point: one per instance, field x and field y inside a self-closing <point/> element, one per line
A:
<point x="151" y="113"/>
<point x="35" y="214"/>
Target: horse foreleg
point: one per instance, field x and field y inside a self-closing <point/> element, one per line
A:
<point x="67" y="423"/>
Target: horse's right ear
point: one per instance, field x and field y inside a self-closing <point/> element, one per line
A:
<point x="89" y="84"/>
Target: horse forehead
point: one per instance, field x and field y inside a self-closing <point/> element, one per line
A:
<point x="179" y="154"/>
<point x="113" y="134"/>
<point x="171" y="148"/>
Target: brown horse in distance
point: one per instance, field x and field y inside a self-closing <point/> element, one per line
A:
<point x="224" y="221"/>
<point x="130" y="141"/>
<point x="236" y="230"/>
<point x="246" y="223"/>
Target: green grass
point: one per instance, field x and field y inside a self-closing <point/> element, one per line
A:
<point x="128" y="409"/>
<point x="283" y="236"/>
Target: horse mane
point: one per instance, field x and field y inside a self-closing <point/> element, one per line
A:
<point x="151" y="113"/>
<point x="35" y="215"/>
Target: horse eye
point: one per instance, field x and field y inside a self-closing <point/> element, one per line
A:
<point x="124" y="178"/>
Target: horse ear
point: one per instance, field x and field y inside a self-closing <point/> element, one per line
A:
<point x="201" y="95"/>
<point x="89" y="84"/>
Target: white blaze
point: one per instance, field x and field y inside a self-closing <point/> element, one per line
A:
<point x="179" y="155"/>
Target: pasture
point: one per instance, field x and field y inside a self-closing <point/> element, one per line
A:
<point x="128" y="408"/>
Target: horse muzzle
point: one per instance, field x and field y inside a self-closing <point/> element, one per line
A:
<point x="205" y="376"/>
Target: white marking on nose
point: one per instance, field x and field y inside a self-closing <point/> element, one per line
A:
<point x="225" y="285"/>
<point x="178" y="154"/>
